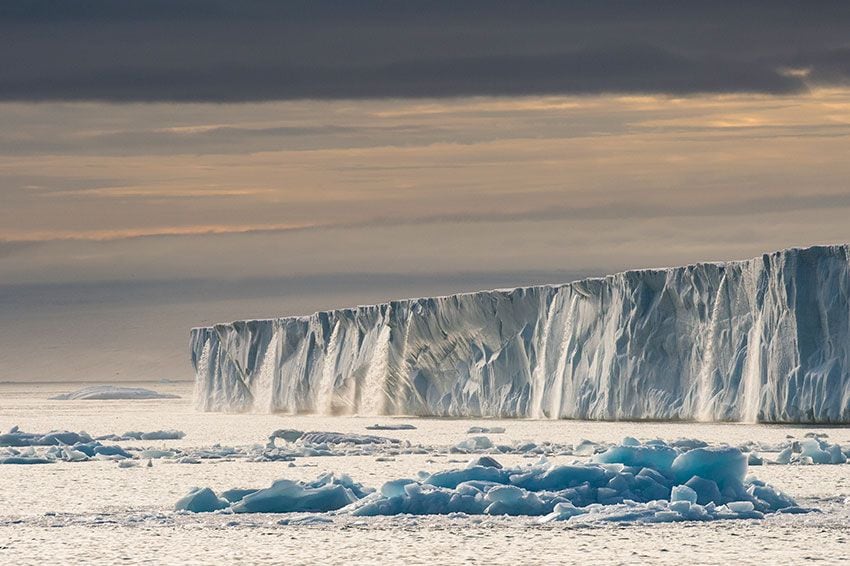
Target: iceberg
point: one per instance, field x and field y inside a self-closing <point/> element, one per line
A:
<point x="766" y="339"/>
<point x="111" y="392"/>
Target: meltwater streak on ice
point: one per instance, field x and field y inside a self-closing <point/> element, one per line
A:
<point x="265" y="385"/>
<point x="766" y="339"/>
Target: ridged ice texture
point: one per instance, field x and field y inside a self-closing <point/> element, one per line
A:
<point x="766" y="339"/>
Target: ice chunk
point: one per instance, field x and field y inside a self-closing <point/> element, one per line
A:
<point x="111" y="450"/>
<point x="485" y="430"/>
<point x="740" y="507"/>
<point x="562" y="512"/>
<point x="722" y="465"/>
<point x="71" y="455"/>
<point x="154" y="453"/>
<point x="453" y="478"/>
<point x="111" y="392"/>
<point x="344" y="438"/>
<point x="586" y="448"/>
<point x="395" y="488"/>
<point x="201" y="500"/>
<point x="287" y="434"/>
<point x="683" y="493"/>
<point x="836" y="456"/>
<point x="784" y="457"/>
<point x="512" y="500"/>
<point x="706" y="490"/>
<point x="811" y="448"/>
<point x="659" y="458"/>
<point x="154" y="435"/>
<point x="329" y="493"/>
<point x="16" y="437"/>
<point x="234" y="495"/>
<point x="473" y="444"/>
<point x="561" y="477"/>
<point x="485" y="461"/>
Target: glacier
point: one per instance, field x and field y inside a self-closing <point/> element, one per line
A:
<point x="759" y="340"/>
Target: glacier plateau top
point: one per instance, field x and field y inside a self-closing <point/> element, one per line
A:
<point x="760" y="340"/>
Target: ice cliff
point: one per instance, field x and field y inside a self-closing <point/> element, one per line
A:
<point x="766" y="339"/>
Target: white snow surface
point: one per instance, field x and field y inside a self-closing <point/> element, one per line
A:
<point x="761" y="340"/>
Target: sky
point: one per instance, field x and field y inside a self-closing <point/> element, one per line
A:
<point x="169" y="164"/>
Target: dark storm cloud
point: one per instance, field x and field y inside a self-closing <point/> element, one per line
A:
<point x="248" y="51"/>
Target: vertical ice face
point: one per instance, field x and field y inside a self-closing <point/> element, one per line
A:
<point x="766" y="339"/>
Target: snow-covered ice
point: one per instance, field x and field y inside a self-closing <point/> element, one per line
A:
<point x="123" y="511"/>
<point x="766" y="340"/>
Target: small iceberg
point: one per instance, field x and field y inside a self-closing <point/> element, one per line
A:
<point x="111" y="392"/>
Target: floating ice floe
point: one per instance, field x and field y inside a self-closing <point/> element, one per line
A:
<point x="322" y="437"/>
<point x="485" y="430"/>
<point x="170" y="434"/>
<point x="111" y="392"/>
<point x="627" y="482"/>
<point x="19" y="447"/>
<point x="16" y="437"/>
<point x="400" y="426"/>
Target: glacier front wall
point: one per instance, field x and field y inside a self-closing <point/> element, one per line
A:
<point x="764" y="340"/>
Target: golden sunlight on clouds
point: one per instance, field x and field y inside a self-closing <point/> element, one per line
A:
<point x="132" y="233"/>
<point x="100" y="172"/>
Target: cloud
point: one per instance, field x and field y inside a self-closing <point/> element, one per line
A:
<point x="251" y="51"/>
<point x="13" y="242"/>
<point x="744" y="206"/>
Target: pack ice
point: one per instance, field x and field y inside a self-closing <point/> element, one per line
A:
<point x="766" y="339"/>
<point x="631" y="482"/>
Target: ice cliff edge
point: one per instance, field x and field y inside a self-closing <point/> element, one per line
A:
<point x="766" y="339"/>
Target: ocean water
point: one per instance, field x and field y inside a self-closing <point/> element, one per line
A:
<point x="96" y="512"/>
